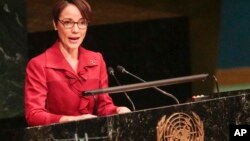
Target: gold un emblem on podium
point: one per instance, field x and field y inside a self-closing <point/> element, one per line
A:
<point x="180" y="127"/>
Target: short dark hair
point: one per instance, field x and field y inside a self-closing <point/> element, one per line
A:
<point x="82" y="5"/>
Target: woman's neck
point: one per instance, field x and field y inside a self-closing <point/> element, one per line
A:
<point x="71" y="55"/>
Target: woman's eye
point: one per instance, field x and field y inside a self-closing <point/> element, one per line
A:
<point x="82" y="23"/>
<point x="67" y="22"/>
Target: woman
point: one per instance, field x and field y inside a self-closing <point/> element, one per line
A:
<point x="56" y="78"/>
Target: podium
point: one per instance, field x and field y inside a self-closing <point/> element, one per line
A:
<point x="206" y="119"/>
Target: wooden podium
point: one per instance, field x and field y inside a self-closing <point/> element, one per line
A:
<point x="206" y="119"/>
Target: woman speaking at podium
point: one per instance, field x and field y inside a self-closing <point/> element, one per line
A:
<point x="56" y="78"/>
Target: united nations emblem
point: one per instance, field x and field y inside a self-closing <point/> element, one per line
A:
<point x="180" y="127"/>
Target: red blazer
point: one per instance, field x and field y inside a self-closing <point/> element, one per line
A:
<point x="53" y="89"/>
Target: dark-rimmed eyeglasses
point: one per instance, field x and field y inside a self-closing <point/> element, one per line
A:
<point x="69" y="23"/>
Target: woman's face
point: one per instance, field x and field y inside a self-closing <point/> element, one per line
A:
<point x="70" y="38"/>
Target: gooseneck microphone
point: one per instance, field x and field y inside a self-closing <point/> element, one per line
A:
<point x="112" y="72"/>
<point x="123" y="70"/>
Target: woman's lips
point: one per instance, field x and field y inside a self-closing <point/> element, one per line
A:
<point x="73" y="39"/>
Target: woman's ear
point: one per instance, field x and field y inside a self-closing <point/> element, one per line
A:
<point x="55" y="25"/>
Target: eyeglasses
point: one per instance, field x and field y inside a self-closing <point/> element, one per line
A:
<point x="69" y="23"/>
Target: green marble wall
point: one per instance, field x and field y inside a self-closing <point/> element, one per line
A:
<point x="13" y="48"/>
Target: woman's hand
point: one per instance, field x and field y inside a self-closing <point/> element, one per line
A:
<point x="121" y="110"/>
<point x="75" y="118"/>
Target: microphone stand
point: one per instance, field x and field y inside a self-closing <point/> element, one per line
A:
<point x="144" y="85"/>
<point x="111" y="72"/>
<point x="123" y="70"/>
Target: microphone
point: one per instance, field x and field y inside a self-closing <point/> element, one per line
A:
<point x="112" y="72"/>
<point x="123" y="70"/>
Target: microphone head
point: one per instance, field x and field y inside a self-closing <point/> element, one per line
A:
<point x="121" y="69"/>
<point x="111" y="71"/>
